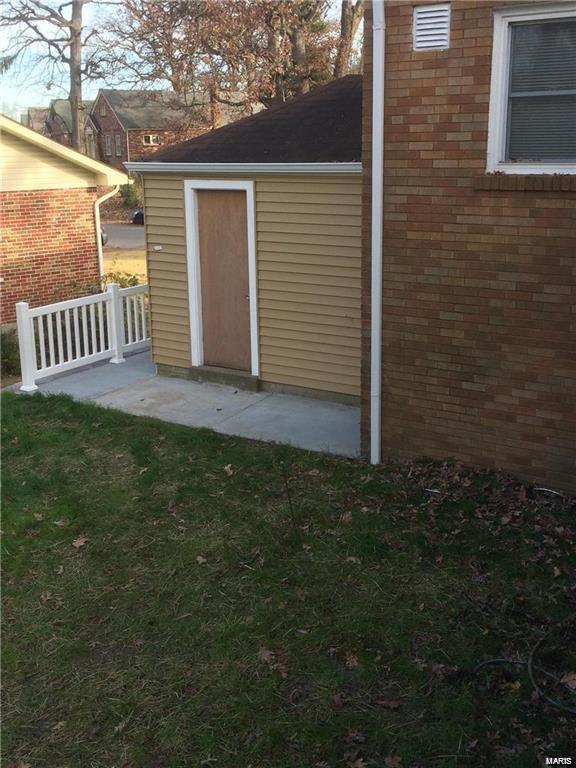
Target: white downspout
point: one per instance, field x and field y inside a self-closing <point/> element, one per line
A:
<point x="377" y="227"/>
<point x="97" y="225"/>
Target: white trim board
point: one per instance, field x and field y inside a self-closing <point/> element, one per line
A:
<point x="245" y="168"/>
<point x="191" y="186"/>
<point x="498" y="114"/>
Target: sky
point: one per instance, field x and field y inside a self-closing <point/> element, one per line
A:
<point x="24" y="85"/>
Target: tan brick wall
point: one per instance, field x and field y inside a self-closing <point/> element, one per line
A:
<point x="48" y="249"/>
<point x="479" y="340"/>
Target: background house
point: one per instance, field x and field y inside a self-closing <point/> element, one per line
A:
<point x="478" y="352"/>
<point x="58" y="120"/>
<point x="35" y="118"/>
<point x="50" y="221"/>
<point x="130" y="125"/>
<point x="271" y="299"/>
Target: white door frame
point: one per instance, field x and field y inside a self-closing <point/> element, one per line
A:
<point x="191" y="187"/>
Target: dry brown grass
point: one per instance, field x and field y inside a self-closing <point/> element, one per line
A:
<point x="122" y="260"/>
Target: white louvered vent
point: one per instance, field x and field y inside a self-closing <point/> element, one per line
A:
<point x="431" y="27"/>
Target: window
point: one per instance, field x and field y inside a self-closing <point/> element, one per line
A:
<point x="151" y="139"/>
<point x="118" y="140"/>
<point x="532" y="127"/>
<point x="102" y="108"/>
<point x="431" y="27"/>
<point x="108" y="143"/>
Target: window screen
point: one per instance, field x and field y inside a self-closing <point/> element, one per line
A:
<point x="542" y="91"/>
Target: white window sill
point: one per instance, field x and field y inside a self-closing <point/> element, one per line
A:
<point x="530" y="169"/>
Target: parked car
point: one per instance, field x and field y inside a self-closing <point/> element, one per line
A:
<point x="138" y="216"/>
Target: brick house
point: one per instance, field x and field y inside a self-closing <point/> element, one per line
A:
<point x="58" y="120"/>
<point x="469" y="235"/>
<point x="35" y="118"/>
<point x="125" y="126"/>
<point x="49" y="198"/>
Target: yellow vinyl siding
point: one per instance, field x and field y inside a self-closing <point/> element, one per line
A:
<point x="25" y="166"/>
<point x="308" y="265"/>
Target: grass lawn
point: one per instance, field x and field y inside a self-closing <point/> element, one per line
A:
<point x="133" y="262"/>
<point x="168" y="604"/>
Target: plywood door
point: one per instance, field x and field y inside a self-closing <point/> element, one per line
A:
<point x="223" y="244"/>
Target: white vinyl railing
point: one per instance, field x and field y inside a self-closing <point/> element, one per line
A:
<point x="70" y="334"/>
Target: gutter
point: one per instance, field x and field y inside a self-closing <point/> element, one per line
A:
<point x="378" y="27"/>
<point x="97" y="225"/>
<point x="244" y="168"/>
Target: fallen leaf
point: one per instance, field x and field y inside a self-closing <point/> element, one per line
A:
<point x="264" y="654"/>
<point x="354" y="760"/>
<point x="355" y="736"/>
<point x="58" y="726"/>
<point x="59" y="570"/>
<point x="201" y="560"/>
<point x="46" y="596"/>
<point x="228" y="469"/>
<point x="393" y="761"/>
<point x="61" y="523"/>
<point x="387" y="703"/>
<point x="569" y="679"/>
<point x="338" y="701"/>
<point x="351" y="660"/>
<point x="353" y="559"/>
<point x="80" y="542"/>
<point x="38" y="516"/>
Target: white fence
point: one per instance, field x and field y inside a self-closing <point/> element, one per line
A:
<point x="59" y="337"/>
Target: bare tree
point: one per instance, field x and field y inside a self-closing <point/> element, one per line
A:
<point x="240" y="52"/>
<point x="54" y="33"/>
<point x="350" y="18"/>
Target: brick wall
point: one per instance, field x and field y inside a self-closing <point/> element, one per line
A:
<point x="479" y="342"/>
<point x="139" y="150"/>
<point x="48" y="249"/>
<point x="109" y="125"/>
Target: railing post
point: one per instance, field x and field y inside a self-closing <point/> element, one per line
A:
<point x="27" y="347"/>
<point x="116" y="324"/>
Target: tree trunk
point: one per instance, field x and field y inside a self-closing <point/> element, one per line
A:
<point x="349" y="22"/>
<point x="300" y="59"/>
<point x="75" y="65"/>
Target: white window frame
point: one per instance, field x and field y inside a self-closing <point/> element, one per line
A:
<point x="118" y="144"/>
<point x="108" y="144"/>
<point x="151" y="143"/>
<point x="191" y="187"/>
<point x="498" y="116"/>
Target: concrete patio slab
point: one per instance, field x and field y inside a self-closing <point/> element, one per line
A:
<point x="94" y="381"/>
<point x="181" y="401"/>
<point x="134" y="387"/>
<point x="300" y="421"/>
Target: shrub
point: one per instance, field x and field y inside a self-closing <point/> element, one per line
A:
<point x="9" y="353"/>
<point x="132" y="195"/>
<point x="122" y="279"/>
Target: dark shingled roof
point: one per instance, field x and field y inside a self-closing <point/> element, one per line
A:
<point x="323" y="126"/>
<point x="146" y="110"/>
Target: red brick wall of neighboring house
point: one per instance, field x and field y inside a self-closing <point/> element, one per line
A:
<point x="479" y="341"/>
<point x="109" y="125"/>
<point x="48" y="249"/>
<point x="139" y="150"/>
